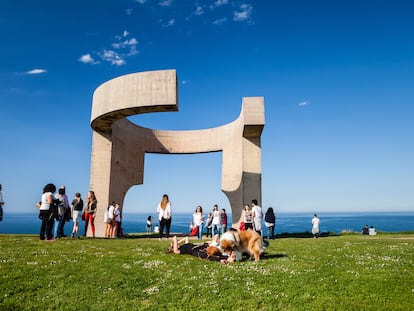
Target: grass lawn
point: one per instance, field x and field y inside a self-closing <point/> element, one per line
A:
<point x="348" y="272"/>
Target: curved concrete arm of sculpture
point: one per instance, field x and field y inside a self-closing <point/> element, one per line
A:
<point x="156" y="91"/>
<point x="143" y="92"/>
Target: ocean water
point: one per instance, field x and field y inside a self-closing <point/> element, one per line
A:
<point x="285" y="222"/>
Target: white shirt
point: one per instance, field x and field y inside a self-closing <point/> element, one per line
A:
<point x="315" y="222"/>
<point x="198" y="219"/>
<point x="111" y="212"/>
<point x="45" y="203"/>
<point x="257" y="211"/>
<point x="166" y="213"/>
<point x="216" y="218"/>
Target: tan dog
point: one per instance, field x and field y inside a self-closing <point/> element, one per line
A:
<point x="247" y="241"/>
<point x="213" y="251"/>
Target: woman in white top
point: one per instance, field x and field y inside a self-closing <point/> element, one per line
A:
<point x="198" y="221"/>
<point x="46" y="212"/>
<point x="164" y="215"/>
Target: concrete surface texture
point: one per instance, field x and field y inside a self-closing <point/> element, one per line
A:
<point x="119" y="146"/>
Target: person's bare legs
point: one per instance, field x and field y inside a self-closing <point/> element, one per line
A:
<point x="183" y="240"/>
<point x="215" y="240"/>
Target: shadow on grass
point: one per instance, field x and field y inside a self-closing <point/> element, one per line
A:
<point x="270" y="256"/>
<point x="282" y="235"/>
<point x="305" y="234"/>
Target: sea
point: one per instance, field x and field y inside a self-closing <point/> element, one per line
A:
<point x="28" y="223"/>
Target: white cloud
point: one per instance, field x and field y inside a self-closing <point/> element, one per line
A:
<point x="220" y="21"/>
<point x="132" y="41"/>
<point x="170" y="23"/>
<point x="87" y="59"/>
<point x="304" y="103"/>
<point x="220" y="2"/>
<point x="141" y="1"/>
<point x="243" y="14"/>
<point x="165" y="3"/>
<point x="199" y="10"/>
<point x="36" y="71"/>
<point x="129" y="11"/>
<point x="113" y="57"/>
<point x="125" y="43"/>
<point x="132" y="50"/>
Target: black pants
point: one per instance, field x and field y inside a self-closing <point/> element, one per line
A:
<point x="167" y="224"/>
<point x="47" y="224"/>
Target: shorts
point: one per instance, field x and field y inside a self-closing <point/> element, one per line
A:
<point x="77" y="216"/>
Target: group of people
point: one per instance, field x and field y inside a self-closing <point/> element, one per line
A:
<point x="369" y="230"/>
<point x="55" y="211"/>
<point x="112" y="220"/>
<point x="252" y="216"/>
<point x="215" y="224"/>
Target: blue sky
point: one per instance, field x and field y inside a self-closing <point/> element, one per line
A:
<point x="337" y="78"/>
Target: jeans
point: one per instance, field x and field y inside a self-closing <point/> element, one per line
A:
<point x="200" y="232"/>
<point x="270" y="232"/>
<point x="216" y="229"/>
<point x="56" y="228"/>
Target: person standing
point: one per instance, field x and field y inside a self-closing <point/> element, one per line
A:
<point x="270" y="221"/>
<point x="315" y="226"/>
<point x="77" y="208"/>
<point x="117" y="221"/>
<point x="198" y="221"/>
<point x="1" y="203"/>
<point x="164" y="215"/>
<point x="258" y="216"/>
<point x="63" y="207"/>
<point x="223" y="221"/>
<point x="248" y="216"/>
<point x="109" y="228"/>
<point x="46" y="213"/>
<point x="216" y="220"/>
<point x="209" y="225"/>
<point x="149" y="224"/>
<point x="90" y="212"/>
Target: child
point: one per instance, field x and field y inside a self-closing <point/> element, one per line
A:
<point x="149" y="224"/>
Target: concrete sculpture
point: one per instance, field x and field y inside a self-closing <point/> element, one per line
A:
<point x="119" y="146"/>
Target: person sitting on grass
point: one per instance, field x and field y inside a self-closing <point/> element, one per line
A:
<point x="208" y="251"/>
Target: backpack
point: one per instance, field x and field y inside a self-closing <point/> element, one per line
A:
<point x="53" y="209"/>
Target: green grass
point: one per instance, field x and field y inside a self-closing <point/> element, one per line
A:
<point x="349" y="272"/>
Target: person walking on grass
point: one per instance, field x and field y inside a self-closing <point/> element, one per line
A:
<point x="315" y="226"/>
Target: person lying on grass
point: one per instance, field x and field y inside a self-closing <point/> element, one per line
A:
<point x="208" y="251"/>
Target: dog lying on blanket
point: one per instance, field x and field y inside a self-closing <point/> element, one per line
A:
<point x="247" y="241"/>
